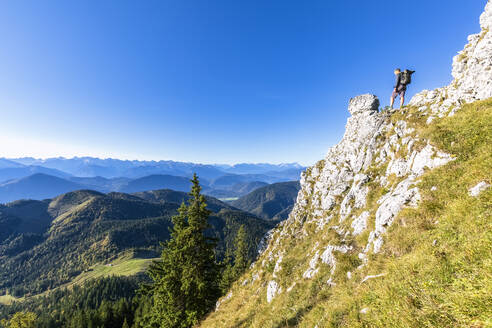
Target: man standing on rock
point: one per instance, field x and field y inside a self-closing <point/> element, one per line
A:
<point x="402" y="80"/>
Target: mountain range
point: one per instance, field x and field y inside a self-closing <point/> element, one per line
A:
<point x="113" y="168"/>
<point x="28" y="178"/>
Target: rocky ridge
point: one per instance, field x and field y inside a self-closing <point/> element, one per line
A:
<point x="364" y="182"/>
<point x="472" y="73"/>
<point x="336" y="189"/>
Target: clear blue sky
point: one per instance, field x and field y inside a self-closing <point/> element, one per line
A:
<point x="210" y="81"/>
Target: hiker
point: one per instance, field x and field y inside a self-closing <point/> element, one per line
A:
<point x="402" y="80"/>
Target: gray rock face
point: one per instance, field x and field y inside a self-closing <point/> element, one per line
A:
<point x="363" y="103"/>
<point x="327" y="257"/>
<point x="390" y="205"/>
<point x="360" y="223"/>
<point x="222" y="300"/>
<point x="272" y="290"/>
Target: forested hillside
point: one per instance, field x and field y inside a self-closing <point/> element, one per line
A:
<point x="274" y="201"/>
<point x="79" y="235"/>
<point x="105" y="302"/>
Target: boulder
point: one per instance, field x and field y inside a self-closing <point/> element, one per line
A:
<point x="363" y="103"/>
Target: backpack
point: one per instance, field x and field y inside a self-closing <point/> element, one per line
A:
<point x="406" y="77"/>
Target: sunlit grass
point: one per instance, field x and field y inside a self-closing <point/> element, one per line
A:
<point x="120" y="267"/>
<point x="9" y="299"/>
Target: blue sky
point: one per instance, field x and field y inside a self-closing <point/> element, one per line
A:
<point x="210" y="81"/>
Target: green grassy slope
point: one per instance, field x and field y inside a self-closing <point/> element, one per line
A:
<point x="8" y="299"/>
<point x="124" y="266"/>
<point x="434" y="269"/>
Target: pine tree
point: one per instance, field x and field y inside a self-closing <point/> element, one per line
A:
<point x="228" y="276"/>
<point x="185" y="280"/>
<point x="241" y="259"/>
<point x="125" y="324"/>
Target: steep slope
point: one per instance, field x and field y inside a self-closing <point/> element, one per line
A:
<point x="392" y="228"/>
<point x="36" y="186"/>
<point x="46" y="244"/>
<point x="67" y="202"/>
<point x="274" y="201"/>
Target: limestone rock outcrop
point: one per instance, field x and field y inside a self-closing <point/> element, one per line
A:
<point x="476" y="190"/>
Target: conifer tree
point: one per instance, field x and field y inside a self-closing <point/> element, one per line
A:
<point x="185" y="280"/>
<point x="228" y="275"/>
<point x="241" y="259"/>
